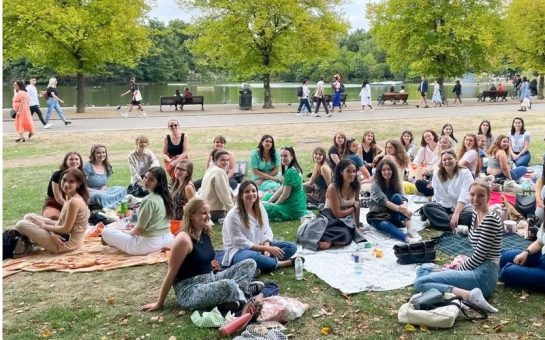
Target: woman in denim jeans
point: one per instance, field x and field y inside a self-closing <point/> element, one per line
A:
<point x="520" y="143"/>
<point x="388" y="208"/>
<point x="498" y="162"/>
<point x="477" y="276"/>
<point x="53" y="103"/>
<point x="247" y="234"/>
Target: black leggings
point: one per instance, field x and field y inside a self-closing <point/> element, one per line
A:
<point x="36" y="109"/>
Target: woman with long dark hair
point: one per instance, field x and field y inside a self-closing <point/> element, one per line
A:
<point x="388" y="208"/>
<point x="320" y="178"/>
<point x="182" y="190"/>
<point x="365" y="95"/>
<point x="407" y="140"/>
<point x="68" y="232"/>
<point x="485" y="129"/>
<point x="265" y="163"/>
<point x="248" y="235"/>
<point x="54" y="200"/>
<point x="519" y="140"/>
<point x="337" y="151"/>
<point x="468" y="156"/>
<point x="289" y="201"/>
<point x="23" y="119"/>
<point x="151" y="232"/>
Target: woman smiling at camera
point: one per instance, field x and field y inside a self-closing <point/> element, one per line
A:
<point x="68" y="233"/>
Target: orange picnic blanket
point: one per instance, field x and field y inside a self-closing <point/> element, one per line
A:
<point x="92" y="256"/>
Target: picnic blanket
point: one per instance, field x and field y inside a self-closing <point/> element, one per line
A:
<point x="454" y="244"/>
<point x="92" y="256"/>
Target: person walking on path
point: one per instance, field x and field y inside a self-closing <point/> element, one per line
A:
<point x="33" y="100"/>
<point x="457" y="90"/>
<point x="135" y="100"/>
<point x="303" y="98"/>
<point x="23" y="119"/>
<point x="320" y="98"/>
<point x="365" y="95"/>
<point x="423" y="89"/>
<point x="336" y="102"/>
<point x="437" y="98"/>
<point x="53" y="103"/>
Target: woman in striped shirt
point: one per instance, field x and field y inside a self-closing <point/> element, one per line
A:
<point x="477" y="276"/>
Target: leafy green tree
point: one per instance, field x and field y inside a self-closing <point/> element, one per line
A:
<point x="437" y="37"/>
<point x="262" y="37"/>
<point x="525" y="31"/>
<point x="76" y="36"/>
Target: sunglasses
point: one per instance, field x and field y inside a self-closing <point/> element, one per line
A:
<point x="173" y="125"/>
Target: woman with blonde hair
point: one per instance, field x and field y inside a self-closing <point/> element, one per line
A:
<point x="468" y="156"/>
<point x="193" y="271"/>
<point x="247" y="234"/>
<point x="140" y="161"/>
<point x="53" y="100"/>
<point x="498" y="161"/>
<point x="175" y="146"/>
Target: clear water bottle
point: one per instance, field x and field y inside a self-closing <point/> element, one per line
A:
<point x="298" y="268"/>
<point x="134" y="216"/>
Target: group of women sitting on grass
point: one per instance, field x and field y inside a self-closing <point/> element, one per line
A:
<point x="336" y="181"/>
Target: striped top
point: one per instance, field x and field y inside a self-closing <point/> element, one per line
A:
<point x="485" y="239"/>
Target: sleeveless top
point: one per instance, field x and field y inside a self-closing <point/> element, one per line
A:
<point x="345" y="203"/>
<point x="197" y="262"/>
<point x="367" y="155"/>
<point x="320" y="182"/>
<point x="77" y="234"/>
<point x="180" y="200"/>
<point x="175" y="150"/>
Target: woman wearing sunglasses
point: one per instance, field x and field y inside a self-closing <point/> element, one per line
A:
<point x="175" y="147"/>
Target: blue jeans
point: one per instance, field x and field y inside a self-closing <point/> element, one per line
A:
<point x="524" y="159"/>
<point x="516" y="173"/>
<point x="304" y="102"/>
<point x="484" y="277"/>
<point x="397" y="218"/>
<point x="53" y="104"/>
<point x="266" y="263"/>
<point x="531" y="274"/>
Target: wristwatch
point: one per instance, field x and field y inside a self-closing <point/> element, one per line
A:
<point x="528" y="251"/>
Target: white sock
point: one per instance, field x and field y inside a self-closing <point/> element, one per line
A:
<point x="476" y="297"/>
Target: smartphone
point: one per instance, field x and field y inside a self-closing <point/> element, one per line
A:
<point x="65" y="237"/>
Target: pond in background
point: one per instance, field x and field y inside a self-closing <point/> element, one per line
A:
<point x="228" y="93"/>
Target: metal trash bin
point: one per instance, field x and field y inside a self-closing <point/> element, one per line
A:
<point x="245" y="97"/>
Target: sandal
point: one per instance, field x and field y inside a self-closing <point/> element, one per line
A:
<point x="22" y="139"/>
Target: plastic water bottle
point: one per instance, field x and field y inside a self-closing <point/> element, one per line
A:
<point x="134" y="216"/>
<point x="298" y="268"/>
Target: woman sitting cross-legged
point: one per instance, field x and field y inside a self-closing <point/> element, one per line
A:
<point x="289" y="201"/>
<point x="68" y="233"/>
<point x="320" y="178"/>
<point x="388" y="208"/>
<point x="525" y="268"/>
<point x="342" y="198"/>
<point x="55" y="199"/>
<point x="498" y="162"/>
<point x="97" y="171"/>
<point x="476" y="278"/>
<point x="451" y="205"/>
<point x="192" y="269"/>
<point x="247" y="234"/>
<point x="265" y="163"/>
<point x="140" y="161"/>
<point x="151" y="232"/>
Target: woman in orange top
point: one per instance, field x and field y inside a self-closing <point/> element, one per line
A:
<point x="23" y="119"/>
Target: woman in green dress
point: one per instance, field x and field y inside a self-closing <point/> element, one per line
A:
<point x="289" y="201"/>
<point x="265" y="163"/>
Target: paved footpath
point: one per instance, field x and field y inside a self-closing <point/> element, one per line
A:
<point x="107" y="118"/>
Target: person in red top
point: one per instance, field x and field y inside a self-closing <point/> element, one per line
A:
<point x="23" y="118"/>
<point x="501" y="87"/>
<point x="187" y="93"/>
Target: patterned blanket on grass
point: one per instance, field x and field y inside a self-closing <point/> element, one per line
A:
<point x="454" y="244"/>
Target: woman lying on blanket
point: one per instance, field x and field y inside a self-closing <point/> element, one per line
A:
<point x="525" y="268"/>
<point x="151" y="232"/>
<point x="451" y="205"/>
<point x="342" y="197"/>
<point x="68" y="233"/>
<point x="476" y="278"/>
<point x="388" y="208"/>
<point x="193" y="270"/>
<point x="54" y="201"/>
<point x="247" y="234"/>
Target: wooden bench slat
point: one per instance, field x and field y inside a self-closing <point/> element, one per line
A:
<point x="179" y="100"/>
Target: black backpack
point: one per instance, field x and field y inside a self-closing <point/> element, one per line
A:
<point x="300" y="91"/>
<point x="342" y="88"/>
<point x="15" y="244"/>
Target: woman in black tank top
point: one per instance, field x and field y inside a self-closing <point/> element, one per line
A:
<point x="175" y="147"/>
<point x="193" y="270"/>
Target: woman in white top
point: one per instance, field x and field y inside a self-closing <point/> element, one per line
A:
<point x="468" y="156"/>
<point x="424" y="186"/>
<point x="451" y="205"/>
<point x="140" y="161"/>
<point x="436" y="98"/>
<point x="365" y="95"/>
<point x="520" y="143"/>
<point x="427" y="155"/>
<point x="247" y="234"/>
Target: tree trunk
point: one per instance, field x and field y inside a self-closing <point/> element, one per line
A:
<point x="80" y="100"/>
<point x="540" y="86"/>
<point x="267" y="102"/>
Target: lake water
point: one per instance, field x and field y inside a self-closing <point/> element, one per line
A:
<point x="226" y="93"/>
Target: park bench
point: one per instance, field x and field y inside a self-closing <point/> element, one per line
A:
<point x="329" y="98"/>
<point x="179" y="100"/>
<point x="393" y="97"/>
<point x="493" y="95"/>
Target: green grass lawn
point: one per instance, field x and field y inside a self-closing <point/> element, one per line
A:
<point x="104" y="305"/>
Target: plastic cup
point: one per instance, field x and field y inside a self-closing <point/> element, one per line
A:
<point x="175" y="226"/>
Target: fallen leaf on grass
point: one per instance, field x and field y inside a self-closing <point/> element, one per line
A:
<point x="182" y="312"/>
<point x="46" y="332"/>
<point x="424" y="328"/>
<point x="325" y="330"/>
<point x="486" y="326"/>
<point x="345" y="296"/>
<point x="499" y="328"/>
<point x="409" y="328"/>
<point x="19" y="311"/>
<point x="537" y="324"/>
<point x="110" y="300"/>
<point x="403" y="337"/>
<point x="172" y="337"/>
<point x="124" y="321"/>
<point x="524" y="295"/>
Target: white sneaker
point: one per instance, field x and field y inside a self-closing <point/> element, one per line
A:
<point x="316" y="115"/>
<point x="328" y="115"/>
<point x="144" y="115"/>
<point x="124" y="114"/>
<point x="476" y="297"/>
<point x="48" y="126"/>
<point x="413" y="234"/>
<point x="299" y="114"/>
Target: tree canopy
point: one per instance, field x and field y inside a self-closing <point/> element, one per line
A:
<point x="437" y="37"/>
<point x="259" y="37"/>
<point x="76" y="36"/>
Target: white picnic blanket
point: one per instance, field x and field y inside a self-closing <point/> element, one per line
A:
<point x="336" y="267"/>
